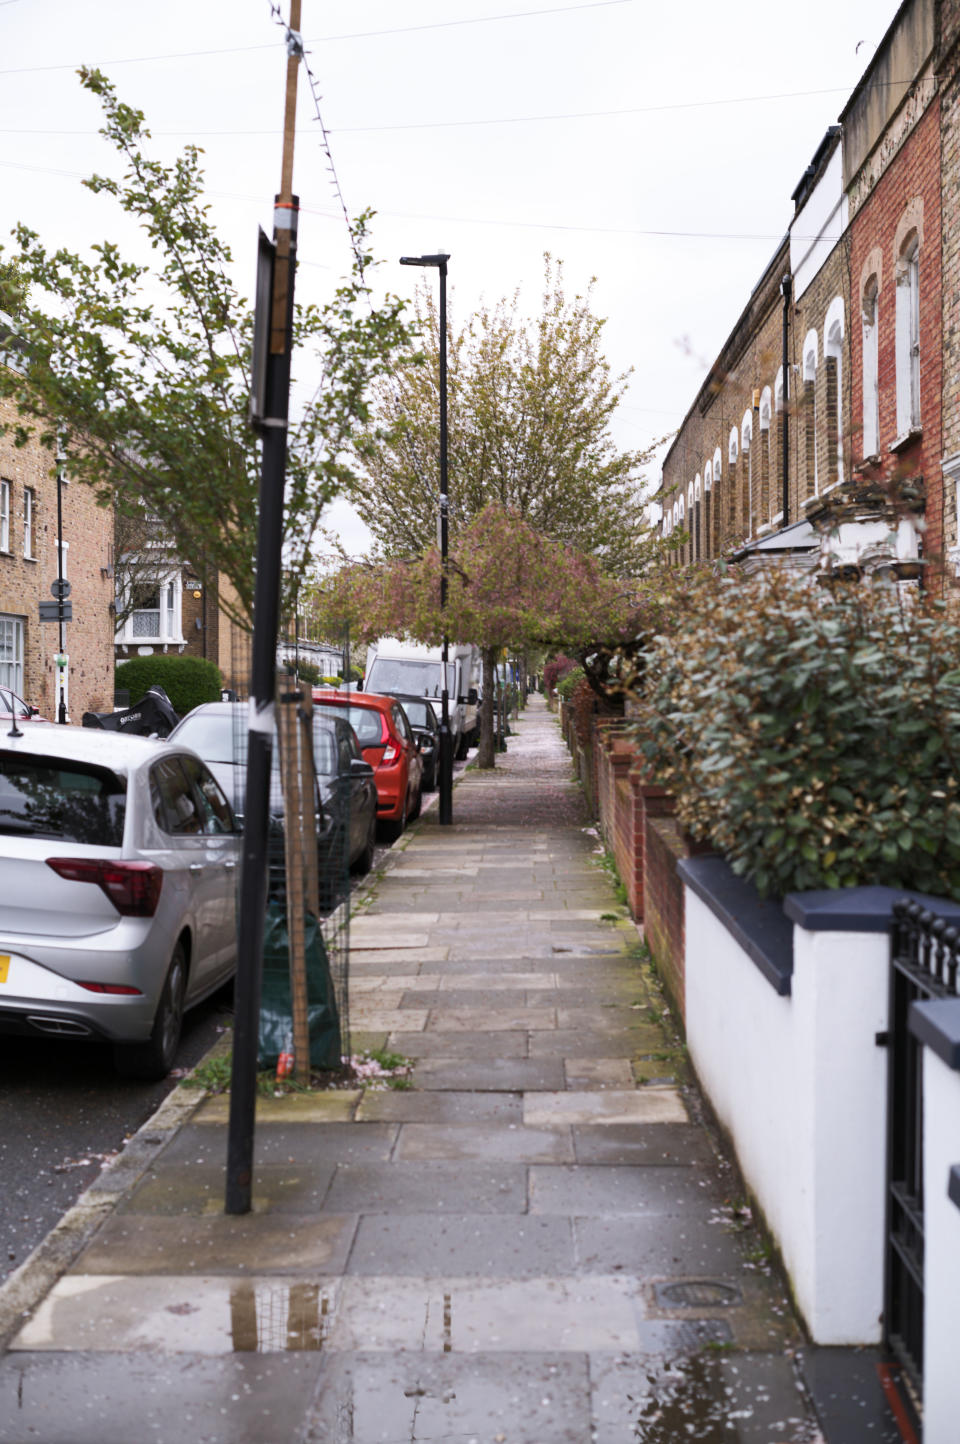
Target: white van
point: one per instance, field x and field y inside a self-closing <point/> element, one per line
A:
<point x="398" y="666"/>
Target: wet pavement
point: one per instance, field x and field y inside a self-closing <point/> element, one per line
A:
<point x="538" y="1241"/>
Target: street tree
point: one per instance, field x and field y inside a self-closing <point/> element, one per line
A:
<point x="509" y="586"/>
<point x="142" y="368"/>
<point x="530" y="402"/>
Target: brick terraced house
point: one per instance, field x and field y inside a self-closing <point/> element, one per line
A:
<point x="828" y="428"/>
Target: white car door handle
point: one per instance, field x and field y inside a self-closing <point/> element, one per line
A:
<point x="196" y="867"/>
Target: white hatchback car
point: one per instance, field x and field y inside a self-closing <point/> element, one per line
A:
<point x="119" y="859"/>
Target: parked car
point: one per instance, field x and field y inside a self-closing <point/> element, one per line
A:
<point x="398" y="666"/>
<point x="347" y="800"/>
<point x="13" y="708"/>
<point x="118" y="870"/>
<point x="388" y="745"/>
<point x="425" y="727"/>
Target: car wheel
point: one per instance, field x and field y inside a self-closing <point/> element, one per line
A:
<point x="153" y="1059"/>
<point x="364" y="862"/>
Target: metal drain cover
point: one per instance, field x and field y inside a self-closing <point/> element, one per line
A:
<point x="698" y="1294"/>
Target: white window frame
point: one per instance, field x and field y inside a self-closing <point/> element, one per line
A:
<point x="169" y="611"/>
<point x="29" y="508"/>
<point x="11" y="652"/>
<point x="5" y="490"/>
<point x="733" y="446"/>
<point x="765" y="408"/>
<point x="833" y="332"/>
<point x="811" y="357"/>
<point x="908" y="336"/>
<point x="717" y="464"/>
<point x="870" y="316"/>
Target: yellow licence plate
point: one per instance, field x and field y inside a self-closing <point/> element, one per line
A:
<point x="4" y="966"/>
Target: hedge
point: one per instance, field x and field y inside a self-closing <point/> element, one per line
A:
<point x="187" y="681"/>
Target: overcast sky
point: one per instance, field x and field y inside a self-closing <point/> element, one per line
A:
<point x="652" y="145"/>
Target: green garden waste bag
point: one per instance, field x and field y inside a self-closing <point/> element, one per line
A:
<point x="276" y="1011"/>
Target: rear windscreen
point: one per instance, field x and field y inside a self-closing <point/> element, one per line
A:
<point x="217" y="736"/>
<point x="365" y="721"/>
<point x="67" y="800"/>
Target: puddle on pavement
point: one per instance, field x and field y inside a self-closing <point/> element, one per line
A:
<point x="278" y="1318"/>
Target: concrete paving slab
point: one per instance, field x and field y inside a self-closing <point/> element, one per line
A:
<point x="363" y="985"/>
<point x="108" y="1398"/>
<point x="663" y="1245"/>
<point x="492" y="1075"/>
<point x="391" y="955"/>
<point x="334" y="1107"/>
<point x="626" y="1043"/>
<point x="491" y="1019"/>
<point x="177" y="1314"/>
<point x="591" y="1073"/>
<point x="692" y="1394"/>
<point x="411" y="1107"/>
<point x="452" y="1399"/>
<point x="299" y="1144"/>
<point x="198" y="1189"/>
<point x="601" y="1190"/>
<point x="507" y="982"/>
<point x="457" y="1045"/>
<point x="474" y="1244"/>
<point x="602" y="1107"/>
<point x="647" y="1145"/>
<point x="439" y="1186"/>
<point x="466" y="1315"/>
<point x="385" y="1020"/>
<point x="253" y="1242"/>
<point x="508" y="1144"/>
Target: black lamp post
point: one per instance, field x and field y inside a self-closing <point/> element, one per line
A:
<point x="61" y="655"/>
<point x="439" y="261"/>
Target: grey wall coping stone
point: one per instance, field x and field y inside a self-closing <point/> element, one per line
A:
<point x="936" y="1022"/>
<point x="858" y="909"/>
<point x="758" y="924"/>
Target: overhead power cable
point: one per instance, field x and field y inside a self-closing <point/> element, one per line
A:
<point x="319" y="40"/>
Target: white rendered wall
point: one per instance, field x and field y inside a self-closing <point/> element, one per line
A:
<point x="941" y="1319"/>
<point x="801" y="1086"/>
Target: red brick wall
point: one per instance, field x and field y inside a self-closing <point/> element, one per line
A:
<point x="663" y="921"/>
<point x="25" y="582"/>
<point x="912" y="177"/>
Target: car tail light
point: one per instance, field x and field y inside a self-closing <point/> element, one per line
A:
<point x="390" y="753"/>
<point x="132" y="887"/>
<point x="115" y="989"/>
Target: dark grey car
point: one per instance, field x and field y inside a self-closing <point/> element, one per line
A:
<point x="347" y="803"/>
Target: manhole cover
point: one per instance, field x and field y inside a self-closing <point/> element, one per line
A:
<point x="698" y="1293"/>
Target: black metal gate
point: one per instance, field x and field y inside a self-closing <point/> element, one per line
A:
<point x="923" y="964"/>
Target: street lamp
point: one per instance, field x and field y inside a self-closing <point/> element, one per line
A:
<point x="439" y="262"/>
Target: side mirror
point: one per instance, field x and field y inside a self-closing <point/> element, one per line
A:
<point x="359" y="685"/>
<point x="472" y="697"/>
<point x="360" y="768"/>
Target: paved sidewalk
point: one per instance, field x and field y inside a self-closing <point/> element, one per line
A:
<point x="536" y="1243"/>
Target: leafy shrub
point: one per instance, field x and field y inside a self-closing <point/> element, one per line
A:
<point x="556" y="668"/>
<point x="309" y="672"/>
<point x="569" y="680"/>
<point x="187" y="681"/>
<point x="812" y="738"/>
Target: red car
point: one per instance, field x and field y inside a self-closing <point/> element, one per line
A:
<point x="388" y="744"/>
<point x="13" y="708"/>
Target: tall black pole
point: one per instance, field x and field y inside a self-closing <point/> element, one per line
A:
<point x="446" y="739"/>
<point x="266" y="619"/>
<point x="61" y="664"/>
<point x="439" y="260"/>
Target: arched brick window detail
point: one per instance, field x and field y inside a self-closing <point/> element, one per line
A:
<point x="811" y="356"/>
<point x="716" y="501"/>
<point x="833" y="329"/>
<point x="908" y="334"/>
<point x="697" y="533"/>
<point x="681" y="514"/>
<point x="870" y="317"/>
<point x="781" y="415"/>
<point x="746" y="474"/>
<point x="733" y="455"/>
<point x="707" y="508"/>
<point x="766" y="411"/>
